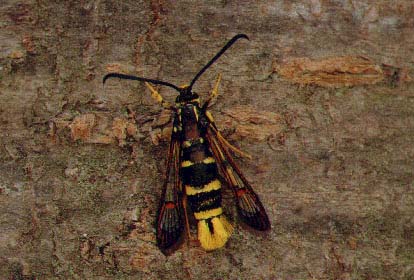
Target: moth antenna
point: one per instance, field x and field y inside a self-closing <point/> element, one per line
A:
<point x="130" y="77"/>
<point x="228" y="45"/>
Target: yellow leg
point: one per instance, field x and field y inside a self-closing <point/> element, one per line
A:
<point x="157" y="97"/>
<point x="214" y="92"/>
<point x="187" y="224"/>
<point x="223" y="140"/>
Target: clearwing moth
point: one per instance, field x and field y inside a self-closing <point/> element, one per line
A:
<point x="197" y="154"/>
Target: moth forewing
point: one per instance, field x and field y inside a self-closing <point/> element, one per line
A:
<point x="170" y="223"/>
<point x="249" y="205"/>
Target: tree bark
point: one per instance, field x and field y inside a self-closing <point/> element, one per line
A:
<point x="321" y="95"/>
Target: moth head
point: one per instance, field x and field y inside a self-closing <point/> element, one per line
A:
<point x="186" y="95"/>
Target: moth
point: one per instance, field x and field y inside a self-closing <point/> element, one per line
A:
<point x="198" y="154"/>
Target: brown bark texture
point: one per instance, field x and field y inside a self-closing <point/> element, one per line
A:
<point x="321" y="95"/>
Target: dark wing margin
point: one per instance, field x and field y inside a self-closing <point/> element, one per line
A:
<point x="249" y="206"/>
<point x="170" y="221"/>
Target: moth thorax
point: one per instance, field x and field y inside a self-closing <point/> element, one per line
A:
<point x="189" y="113"/>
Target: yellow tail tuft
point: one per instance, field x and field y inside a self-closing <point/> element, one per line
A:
<point x="216" y="234"/>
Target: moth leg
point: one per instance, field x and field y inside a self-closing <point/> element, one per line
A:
<point x="187" y="224"/>
<point x="223" y="140"/>
<point x="213" y="93"/>
<point x="158" y="97"/>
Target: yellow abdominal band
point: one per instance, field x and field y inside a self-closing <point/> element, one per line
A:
<point x="212" y="186"/>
